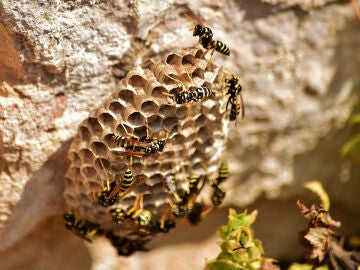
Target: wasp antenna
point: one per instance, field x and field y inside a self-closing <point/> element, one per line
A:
<point x="167" y="94"/>
<point x="176" y="80"/>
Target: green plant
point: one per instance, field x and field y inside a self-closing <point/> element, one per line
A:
<point x="239" y="248"/>
<point x="351" y="149"/>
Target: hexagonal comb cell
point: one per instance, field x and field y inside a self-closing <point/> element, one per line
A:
<point x="117" y="108"/>
<point x="136" y="80"/>
<point x="136" y="119"/>
<point x="107" y="118"/>
<point x="150" y="107"/>
<point x="128" y="96"/>
<point x="159" y="139"/>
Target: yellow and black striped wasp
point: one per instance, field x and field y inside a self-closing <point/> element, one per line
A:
<point x="198" y="212"/>
<point x="177" y="202"/>
<point x="136" y="213"/>
<point x="192" y="94"/>
<point x="165" y="224"/>
<point x="82" y="228"/>
<point x="141" y="146"/>
<point x="144" y="145"/>
<point x="195" y="95"/>
<point x="206" y="38"/>
<point x="188" y="198"/>
<point x="118" y="215"/>
<point x="234" y="91"/>
<point x="118" y="189"/>
<point x="219" y="192"/>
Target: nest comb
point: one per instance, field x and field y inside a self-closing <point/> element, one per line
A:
<point x="196" y="135"/>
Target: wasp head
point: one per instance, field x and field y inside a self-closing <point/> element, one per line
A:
<point x="198" y="30"/>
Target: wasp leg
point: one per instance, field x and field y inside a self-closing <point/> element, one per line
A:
<point x="107" y="177"/>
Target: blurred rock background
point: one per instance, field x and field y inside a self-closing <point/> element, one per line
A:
<point x="299" y="63"/>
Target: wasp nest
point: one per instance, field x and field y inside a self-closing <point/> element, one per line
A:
<point x="144" y="105"/>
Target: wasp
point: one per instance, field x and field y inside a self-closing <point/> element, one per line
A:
<point x="218" y="189"/>
<point x="198" y="94"/>
<point x="193" y="181"/>
<point x="143" y="218"/>
<point x="144" y="145"/>
<point x="206" y="38"/>
<point x="218" y="194"/>
<point x="184" y="97"/>
<point x="134" y="214"/>
<point x="125" y="246"/>
<point x="187" y="206"/>
<point x="197" y="213"/>
<point x="149" y="147"/>
<point x="188" y="199"/>
<point x="234" y="111"/>
<point x="177" y="202"/>
<point x="165" y="224"/>
<point x="170" y="186"/>
<point x="117" y="190"/>
<point x="192" y="94"/>
<point x="234" y="92"/>
<point x="82" y="228"/>
<point x="223" y="173"/>
<point x="117" y="215"/>
<point x="201" y="93"/>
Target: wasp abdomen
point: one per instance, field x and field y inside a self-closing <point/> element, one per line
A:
<point x="220" y="47"/>
<point x="201" y="93"/>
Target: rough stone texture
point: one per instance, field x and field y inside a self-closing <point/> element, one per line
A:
<point x="61" y="59"/>
<point x="304" y="4"/>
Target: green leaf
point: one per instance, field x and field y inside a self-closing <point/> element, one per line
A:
<point x="351" y="149"/>
<point x="355" y="119"/>
<point x="220" y="265"/>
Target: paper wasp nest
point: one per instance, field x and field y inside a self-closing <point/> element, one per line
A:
<point x="195" y="136"/>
